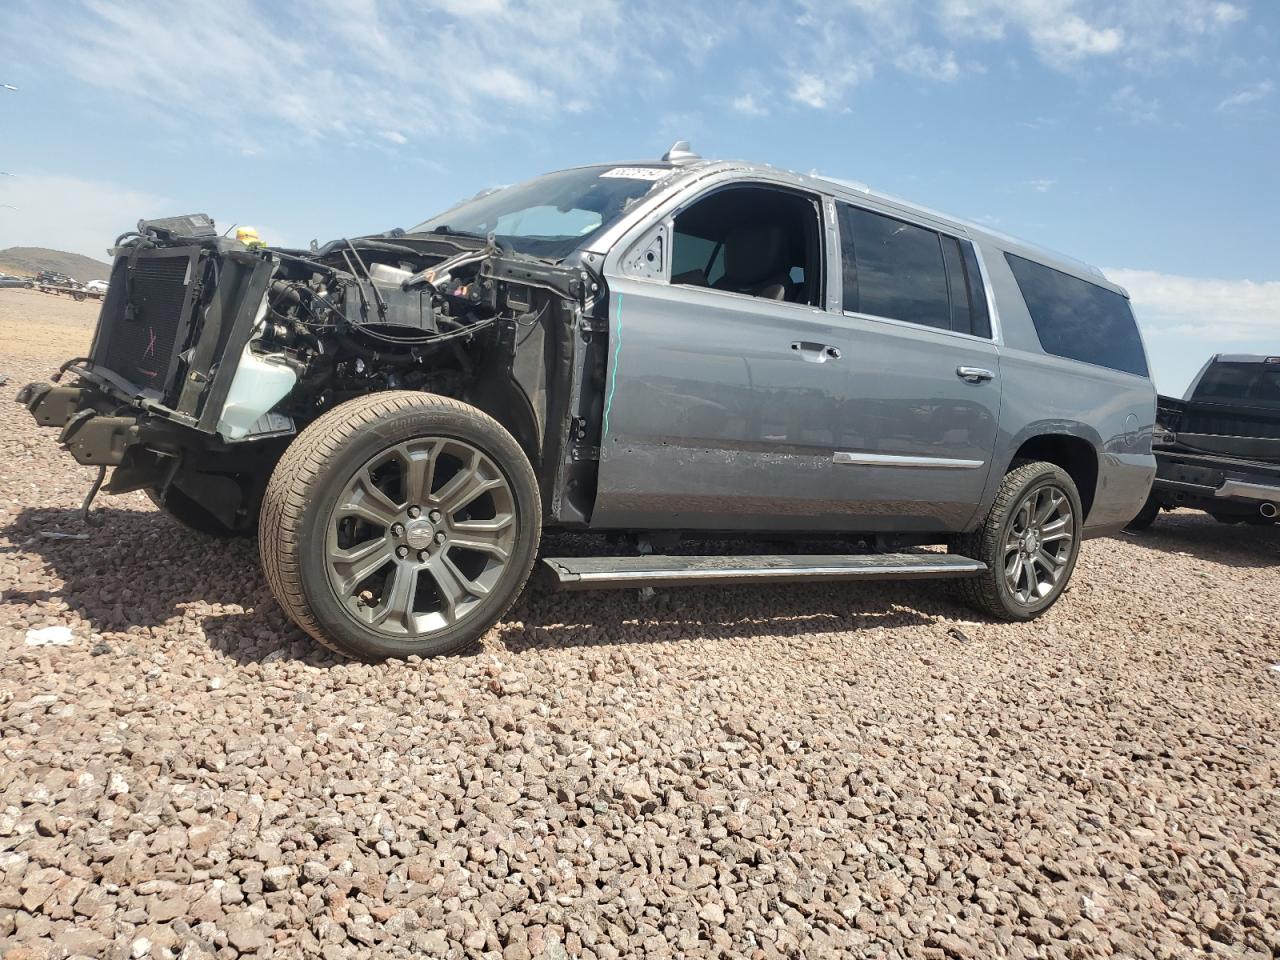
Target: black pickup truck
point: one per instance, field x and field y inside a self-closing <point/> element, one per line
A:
<point x="1218" y="450"/>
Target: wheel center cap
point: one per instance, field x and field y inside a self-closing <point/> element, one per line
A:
<point x="419" y="534"/>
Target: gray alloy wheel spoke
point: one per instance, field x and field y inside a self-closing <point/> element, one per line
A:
<point x="465" y="486"/>
<point x="398" y="595"/>
<point x="419" y="460"/>
<point x="1039" y="544"/>
<point x="1014" y="571"/>
<point x="1049" y="502"/>
<point x="453" y="589"/>
<point x="493" y="537"/>
<point x="1052" y="565"/>
<point x="363" y="499"/>
<point x="357" y="563"/>
<point x="1057" y="530"/>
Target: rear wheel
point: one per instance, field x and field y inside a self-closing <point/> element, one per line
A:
<point x="1029" y="540"/>
<point x="400" y="523"/>
<point x="1146" y="516"/>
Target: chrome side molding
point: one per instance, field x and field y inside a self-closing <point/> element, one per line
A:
<point x="895" y="460"/>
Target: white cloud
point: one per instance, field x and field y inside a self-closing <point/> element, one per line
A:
<point x="1067" y="33"/>
<point x="1042" y="185"/>
<point x="824" y="88"/>
<point x="1133" y="106"/>
<point x="67" y="213"/>
<point x="383" y="70"/>
<point x="1217" y="311"/>
<point x="1248" y="96"/>
<point x="747" y="105"/>
<point x="927" y="62"/>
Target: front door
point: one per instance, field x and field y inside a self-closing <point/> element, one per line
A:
<point x="725" y="384"/>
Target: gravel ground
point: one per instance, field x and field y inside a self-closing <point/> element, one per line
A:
<point x="801" y="771"/>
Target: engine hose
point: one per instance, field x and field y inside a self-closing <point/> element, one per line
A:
<point x="379" y="246"/>
<point x="374" y="356"/>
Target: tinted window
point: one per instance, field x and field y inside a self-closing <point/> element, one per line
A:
<point x="1251" y="383"/>
<point x="1079" y="320"/>
<point x="900" y="273"/>
<point x="977" y="293"/>
<point x="957" y="290"/>
<point x="898" y="270"/>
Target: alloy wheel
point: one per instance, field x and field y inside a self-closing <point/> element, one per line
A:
<point x="420" y="535"/>
<point x="1039" y="543"/>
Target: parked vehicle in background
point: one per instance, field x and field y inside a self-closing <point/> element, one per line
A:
<point x="8" y="280"/>
<point x="646" y="351"/>
<point x="47" y="281"/>
<point x="1218" y="448"/>
<point x="51" y="278"/>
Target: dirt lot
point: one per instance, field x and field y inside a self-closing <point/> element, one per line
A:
<point x="802" y="771"/>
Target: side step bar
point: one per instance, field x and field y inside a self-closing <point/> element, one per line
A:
<point x="594" y="573"/>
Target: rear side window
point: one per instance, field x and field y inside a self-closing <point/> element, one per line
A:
<point x="1079" y="320"/>
<point x="898" y="270"/>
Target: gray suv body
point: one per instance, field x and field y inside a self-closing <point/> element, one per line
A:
<point x="653" y="349"/>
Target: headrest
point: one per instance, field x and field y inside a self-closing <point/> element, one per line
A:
<point x="754" y="252"/>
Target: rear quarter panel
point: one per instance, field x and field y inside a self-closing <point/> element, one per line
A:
<point x="1048" y="395"/>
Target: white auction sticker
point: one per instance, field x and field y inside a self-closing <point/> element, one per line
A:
<point x="637" y="173"/>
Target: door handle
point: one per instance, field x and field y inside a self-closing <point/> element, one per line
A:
<point x="812" y="352"/>
<point x="974" y="374"/>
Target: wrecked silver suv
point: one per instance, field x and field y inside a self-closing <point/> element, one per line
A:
<point x="646" y="350"/>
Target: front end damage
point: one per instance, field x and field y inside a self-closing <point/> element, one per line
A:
<point x="211" y="354"/>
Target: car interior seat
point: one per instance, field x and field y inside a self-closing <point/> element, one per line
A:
<point x="755" y="261"/>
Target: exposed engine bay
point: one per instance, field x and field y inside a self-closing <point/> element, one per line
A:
<point x="211" y="353"/>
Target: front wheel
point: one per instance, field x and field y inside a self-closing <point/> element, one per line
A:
<point x="1029" y="540"/>
<point x="400" y="523"/>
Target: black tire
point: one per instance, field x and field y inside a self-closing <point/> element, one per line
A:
<point x="78" y="295"/>
<point x="1146" y="516"/>
<point x="991" y="592"/>
<point x="308" y="500"/>
<point x="190" y="514"/>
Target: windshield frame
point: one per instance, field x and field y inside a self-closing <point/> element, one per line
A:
<point x="617" y="189"/>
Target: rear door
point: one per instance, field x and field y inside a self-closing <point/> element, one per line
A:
<point x="919" y="426"/>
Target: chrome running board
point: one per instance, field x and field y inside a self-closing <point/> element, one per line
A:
<point x="596" y="573"/>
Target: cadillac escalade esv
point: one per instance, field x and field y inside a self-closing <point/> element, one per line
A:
<point x="649" y="350"/>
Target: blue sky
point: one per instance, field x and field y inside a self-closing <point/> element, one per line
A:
<point x="1140" y="135"/>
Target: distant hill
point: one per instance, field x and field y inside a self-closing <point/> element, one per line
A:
<point x="28" y="261"/>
